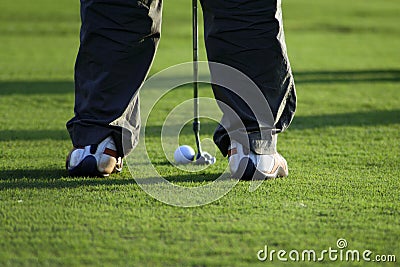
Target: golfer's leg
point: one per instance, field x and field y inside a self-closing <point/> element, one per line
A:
<point x="248" y="35"/>
<point x="118" y="42"/>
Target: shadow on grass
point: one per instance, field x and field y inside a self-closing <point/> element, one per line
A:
<point x="28" y="135"/>
<point x="301" y="77"/>
<point x="49" y="174"/>
<point x="358" y="119"/>
<point x="36" y="87"/>
<point x="347" y="76"/>
<point x="367" y="118"/>
<point x="53" y="178"/>
<point x="327" y="76"/>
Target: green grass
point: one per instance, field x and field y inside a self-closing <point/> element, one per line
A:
<point x="343" y="149"/>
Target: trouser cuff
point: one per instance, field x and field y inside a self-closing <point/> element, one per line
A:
<point x="261" y="143"/>
<point x="264" y="144"/>
<point x="84" y="135"/>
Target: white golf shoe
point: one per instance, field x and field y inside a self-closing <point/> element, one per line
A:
<point x="247" y="165"/>
<point x="94" y="160"/>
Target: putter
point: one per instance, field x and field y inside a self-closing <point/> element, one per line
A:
<point x="201" y="157"/>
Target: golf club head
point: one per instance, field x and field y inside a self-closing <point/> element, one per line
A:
<point x="204" y="158"/>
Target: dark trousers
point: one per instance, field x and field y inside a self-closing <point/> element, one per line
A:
<point x="119" y="39"/>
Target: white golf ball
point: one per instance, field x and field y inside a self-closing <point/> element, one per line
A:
<point x="184" y="155"/>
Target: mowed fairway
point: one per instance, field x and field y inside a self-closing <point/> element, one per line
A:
<point x="343" y="150"/>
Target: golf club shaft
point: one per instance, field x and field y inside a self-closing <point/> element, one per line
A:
<point x="196" y="122"/>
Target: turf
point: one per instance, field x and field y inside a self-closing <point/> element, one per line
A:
<point x="342" y="148"/>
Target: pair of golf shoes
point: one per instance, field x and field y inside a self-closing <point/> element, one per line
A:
<point x="102" y="160"/>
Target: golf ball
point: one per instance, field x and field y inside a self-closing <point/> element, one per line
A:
<point x="184" y="155"/>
